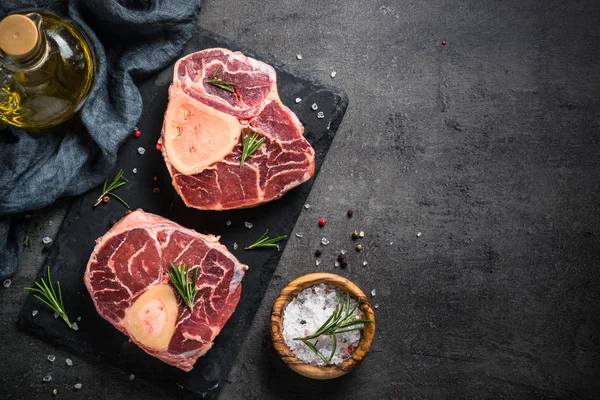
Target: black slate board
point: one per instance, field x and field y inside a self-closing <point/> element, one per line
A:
<point x="96" y="339"/>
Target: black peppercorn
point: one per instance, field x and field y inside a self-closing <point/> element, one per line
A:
<point x="344" y="263"/>
<point x="350" y="213"/>
<point x="318" y="253"/>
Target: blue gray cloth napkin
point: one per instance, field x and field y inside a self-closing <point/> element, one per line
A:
<point x="133" y="38"/>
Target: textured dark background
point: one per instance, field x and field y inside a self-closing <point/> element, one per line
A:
<point x="489" y="146"/>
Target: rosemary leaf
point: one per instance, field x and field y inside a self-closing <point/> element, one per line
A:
<point x="46" y="293"/>
<point x="265" y="241"/>
<point x="250" y="144"/>
<point x="107" y="190"/>
<point x="187" y="289"/>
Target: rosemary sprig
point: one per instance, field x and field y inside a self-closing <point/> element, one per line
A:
<point x="250" y="144"/>
<point x="107" y="189"/>
<point x="51" y="297"/>
<point x="221" y="84"/>
<point x="265" y="241"/>
<point x="187" y="289"/>
<point x="341" y="320"/>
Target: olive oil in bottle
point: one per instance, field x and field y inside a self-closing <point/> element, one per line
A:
<point x="47" y="67"/>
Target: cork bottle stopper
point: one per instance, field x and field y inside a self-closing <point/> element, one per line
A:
<point x="18" y="35"/>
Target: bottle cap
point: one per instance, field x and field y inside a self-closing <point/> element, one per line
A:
<point x="18" y="35"/>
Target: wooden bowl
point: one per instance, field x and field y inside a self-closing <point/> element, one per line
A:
<point x="288" y="357"/>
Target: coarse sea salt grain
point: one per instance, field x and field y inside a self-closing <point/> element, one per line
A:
<point x="320" y="115"/>
<point x="46" y="240"/>
<point x="228" y="223"/>
<point x="333" y="74"/>
<point x="34" y="313"/>
<point x="299" y="56"/>
<point x="313" y="306"/>
<point x="7" y="283"/>
<point x="69" y="362"/>
<point x="307" y="206"/>
<point x="248" y="225"/>
<point x="235" y="245"/>
<point x="135" y="170"/>
<point x="51" y="357"/>
<point x="141" y="150"/>
<point x="299" y="234"/>
<point x="314" y="106"/>
<point x="324" y="241"/>
<point x="77" y="386"/>
<point x="298" y="100"/>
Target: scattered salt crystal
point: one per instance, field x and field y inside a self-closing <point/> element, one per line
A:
<point x="77" y="386"/>
<point x="27" y="216"/>
<point x="51" y="357"/>
<point x="46" y="240"/>
<point x="34" y="313"/>
<point x="299" y="234"/>
<point x="361" y="234"/>
<point x="299" y="56"/>
<point x="141" y="150"/>
<point x="364" y="263"/>
<point x="337" y="264"/>
<point x="314" y="106"/>
<point x="391" y="243"/>
<point x="307" y="206"/>
<point x="342" y="251"/>
<point x="55" y="315"/>
<point x="135" y="170"/>
<point x="235" y="245"/>
<point x="298" y="100"/>
<point x="318" y="262"/>
<point x="7" y="283"/>
<point x="228" y="223"/>
<point x="376" y="306"/>
<point x="419" y="234"/>
<point x="47" y="378"/>
<point x="69" y="362"/>
<point x="213" y="387"/>
<point x="324" y="241"/>
<point x="131" y="377"/>
<point x="75" y="327"/>
<point x="333" y="74"/>
<point x="50" y="223"/>
<point x="248" y="225"/>
<point x="320" y="115"/>
<point x="306" y="313"/>
<point x="373" y="292"/>
<point x="278" y="247"/>
<point x="78" y="318"/>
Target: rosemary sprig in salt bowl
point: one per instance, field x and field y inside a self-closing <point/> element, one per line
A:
<point x="322" y="325"/>
<point x="342" y="320"/>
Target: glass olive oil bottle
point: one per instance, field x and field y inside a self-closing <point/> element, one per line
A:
<point x="47" y="67"/>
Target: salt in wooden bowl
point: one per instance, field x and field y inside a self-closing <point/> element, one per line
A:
<point x="288" y="357"/>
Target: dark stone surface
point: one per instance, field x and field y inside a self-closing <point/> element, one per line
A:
<point x="488" y="146"/>
<point x="96" y="339"/>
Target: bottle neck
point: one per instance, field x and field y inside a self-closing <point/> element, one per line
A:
<point x="34" y="58"/>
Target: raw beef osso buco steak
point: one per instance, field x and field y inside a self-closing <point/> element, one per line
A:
<point x="127" y="280"/>
<point x="216" y="99"/>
